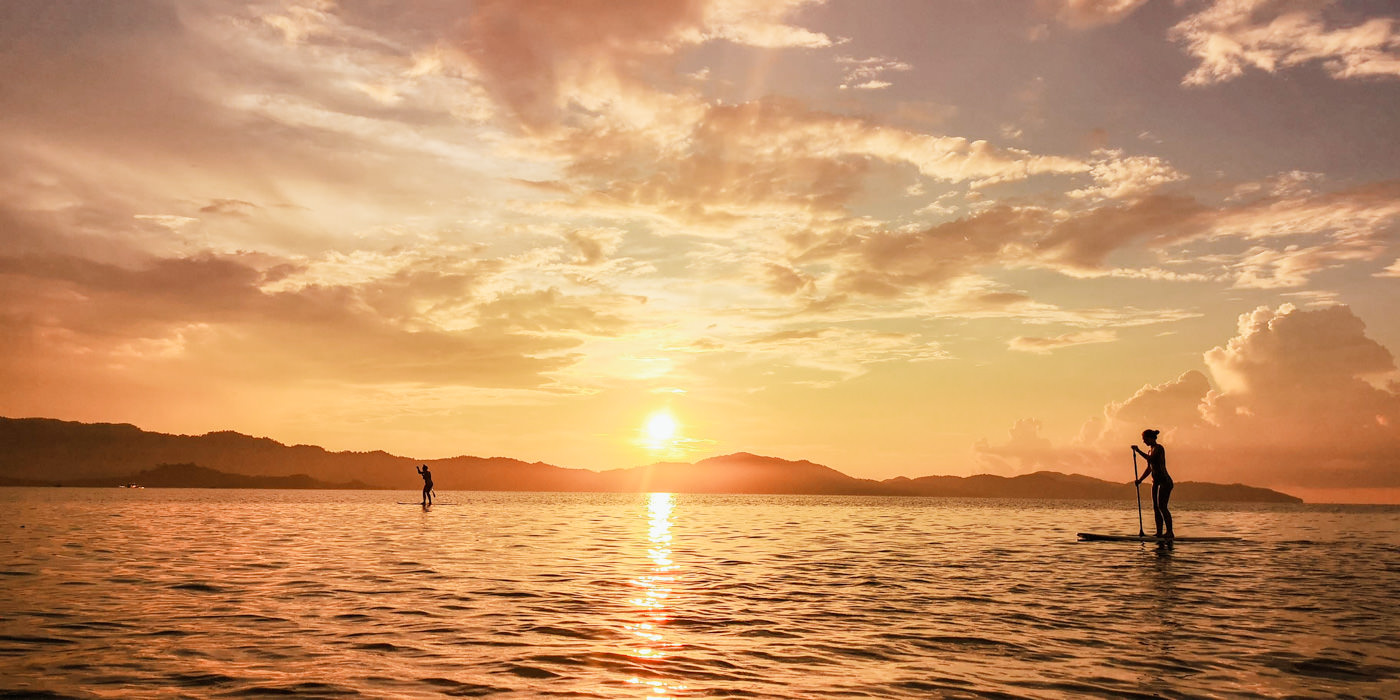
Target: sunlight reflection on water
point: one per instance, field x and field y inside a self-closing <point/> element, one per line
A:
<point x="657" y="587"/>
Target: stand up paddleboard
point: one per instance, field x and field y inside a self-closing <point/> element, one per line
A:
<point x="1096" y="537"/>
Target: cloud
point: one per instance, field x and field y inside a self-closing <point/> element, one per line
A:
<point x="1043" y="346"/>
<point x="1026" y="451"/>
<point x="893" y="263"/>
<point x="1090" y="13"/>
<point x="1354" y="224"/>
<point x="888" y="263"/>
<point x="1173" y="407"/>
<point x="299" y="22"/>
<point x="1294" y="266"/>
<point x="762" y="24"/>
<point x="1230" y="36"/>
<point x="1270" y="238"/>
<point x="835" y="353"/>
<point x="865" y="73"/>
<point x="1277" y="352"/>
<point x="1294" y="403"/>
<point x="538" y="56"/>
<point x="399" y="325"/>
<point x="785" y="280"/>
<point x="770" y="165"/>
<point x="1116" y="177"/>
<point x="594" y="245"/>
<point x="229" y="207"/>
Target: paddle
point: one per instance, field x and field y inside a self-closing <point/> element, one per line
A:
<point x="1137" y="491"/>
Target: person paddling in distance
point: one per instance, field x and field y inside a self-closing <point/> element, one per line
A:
<point x="427" y="484"/>
<point x="1156" y="457"/>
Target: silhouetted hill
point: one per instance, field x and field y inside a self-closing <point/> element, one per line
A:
<point x="45" y="451"/>
<point x="739" y="473"/>
<point x="1037" y="485"/>
<point x="190" y="476"/>
<point x="1074" y="486"/>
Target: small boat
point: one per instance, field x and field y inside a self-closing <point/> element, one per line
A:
<point x="132" y="486"/>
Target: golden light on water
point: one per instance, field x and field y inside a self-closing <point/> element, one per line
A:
<point x="653" y="603"/>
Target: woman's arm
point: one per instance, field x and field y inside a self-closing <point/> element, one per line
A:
<point x="1145" y="473"/>
<point x="1146" y="470"/>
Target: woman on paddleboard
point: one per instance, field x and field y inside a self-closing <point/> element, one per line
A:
<point x="428" y="484"/>
<point x="1161" y="480"/>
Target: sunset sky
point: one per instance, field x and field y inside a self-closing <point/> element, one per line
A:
<point x="892" y="237"/>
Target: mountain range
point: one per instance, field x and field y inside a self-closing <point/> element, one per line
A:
<point x="41" y="451"/>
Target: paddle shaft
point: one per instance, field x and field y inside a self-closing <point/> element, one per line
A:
<point x="1137" y="491"/>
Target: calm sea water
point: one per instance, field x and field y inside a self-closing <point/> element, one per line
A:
<point x="193" y="593"/>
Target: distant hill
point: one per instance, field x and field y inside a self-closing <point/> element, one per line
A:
<point x="41" y="451"/>
<point x="740" y="473"/>
<point x="190" y="476"/>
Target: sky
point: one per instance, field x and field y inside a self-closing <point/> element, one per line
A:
<point x="892" y="237"/>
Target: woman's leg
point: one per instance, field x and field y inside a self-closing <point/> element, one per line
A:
<point x="1157" y="506"/>
<point x="1166" y="498"/>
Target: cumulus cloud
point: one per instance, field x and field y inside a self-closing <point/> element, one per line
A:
<point x="1275" y="353"/>
<point x="1174" y="407"/>
<point x="1230" y="36"/>
<point x="1294" y="403"/>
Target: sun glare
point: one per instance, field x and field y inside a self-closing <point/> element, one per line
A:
<point x="661" y="428"/>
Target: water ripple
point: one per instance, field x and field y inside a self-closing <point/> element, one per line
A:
<point x="178" y="593"/>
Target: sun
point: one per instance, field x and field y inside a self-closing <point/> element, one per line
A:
<point x="660" y="429"/>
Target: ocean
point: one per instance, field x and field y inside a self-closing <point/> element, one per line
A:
<point x="249" y="593"/>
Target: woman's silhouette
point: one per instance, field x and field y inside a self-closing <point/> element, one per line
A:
<point x="427" y="484"/>
<point x="1161" y="480"/>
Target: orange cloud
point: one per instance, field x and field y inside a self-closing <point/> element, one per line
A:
<point x="1230" y="36"/>
<point x="1046" y="345"/>
<point x="540" y="56"/>
<point x="1090" y="13"/>
<point x="375" y="330"/>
